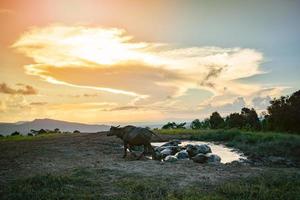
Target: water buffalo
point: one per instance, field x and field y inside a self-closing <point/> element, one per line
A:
<point x="133" y="136"/>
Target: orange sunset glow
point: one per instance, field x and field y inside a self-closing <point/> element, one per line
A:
<point x="149" y="99"/>
<point x="102" y="61"/>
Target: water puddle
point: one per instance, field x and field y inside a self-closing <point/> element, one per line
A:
<point x="227" y="154"/>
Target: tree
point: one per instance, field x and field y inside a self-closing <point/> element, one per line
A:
<point x="76" y="131"/>
<point x="284" y="113"/>
<point x="15" y="133"/>
<point x="34" y="131"/>
<point x="173" y="125"/>
<point x="265" y="125"/>
<point x="294" y="112"/>
<point x="251" y="120"/>
<point x="235" y="120"/>
<point x="42" y="131"/>
<point x="196" y="124"/>
<point x="216" y="121"/>
<point x="57" y="130"/>
<point x="180" y="126"/>
<point x="205" y="123"/>
<point x="169" y="125"/>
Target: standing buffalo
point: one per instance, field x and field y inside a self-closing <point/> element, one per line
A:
<point x="133" y="136"/>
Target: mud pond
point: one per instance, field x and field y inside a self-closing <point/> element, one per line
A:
<point x="227" y="154"/>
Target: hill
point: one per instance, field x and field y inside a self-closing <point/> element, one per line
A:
<point x="37" y="124"/>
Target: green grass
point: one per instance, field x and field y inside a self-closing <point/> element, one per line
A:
<point x="256" y="144"/>
<point x="269" y="186"/>
<point x="100" y="184"/>
<point x="25" y="137"/>
<point x="53" y="187"/>
<point x="277" y="185"/>
<point x="179" y="131"/>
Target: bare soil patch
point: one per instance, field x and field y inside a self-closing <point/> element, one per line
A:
<point x="63" y="153"/>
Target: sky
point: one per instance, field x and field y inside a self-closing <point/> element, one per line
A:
<point x="150" y="61"/>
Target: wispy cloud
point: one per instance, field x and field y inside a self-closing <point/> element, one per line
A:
<point x="121" y="108"/>
<point x="25" y="90"/>
<point x="38" y="103"/>
<point x="111" y="53"/>
<point x="110" y="60"/>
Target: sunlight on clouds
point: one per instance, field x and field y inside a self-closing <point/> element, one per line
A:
<point x="77" y="45"/>
<point x="109" y="60"/>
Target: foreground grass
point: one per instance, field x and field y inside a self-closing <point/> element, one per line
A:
<point x="100" y="184"/>
<point x="255" y="144"/>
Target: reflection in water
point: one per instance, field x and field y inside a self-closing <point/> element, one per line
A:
<point x="227" y="154"/>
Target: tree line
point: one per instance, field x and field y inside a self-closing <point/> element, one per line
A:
<point x="41" y="132"/>
<point x="283" y="114"/>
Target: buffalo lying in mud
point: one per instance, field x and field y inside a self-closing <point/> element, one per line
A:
<point x="133" y="136"/>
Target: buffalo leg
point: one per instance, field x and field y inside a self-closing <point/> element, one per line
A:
<point x="125" y="150"/>
<point x="152" y="151"/>
<point x="144" y="152"/>
<point x="130" y="150"/>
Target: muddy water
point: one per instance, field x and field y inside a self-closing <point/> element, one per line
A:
<point x="227" y="154"/>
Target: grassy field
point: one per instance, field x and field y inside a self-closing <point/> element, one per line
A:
<point x="36" y="137"/>
<point x="93" y="184"/>
<point x="90" y="166"/>
<point x="254" y="144"/>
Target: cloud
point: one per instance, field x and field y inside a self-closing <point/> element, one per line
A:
<point x="228" y="102"/>
<point x="261" y="103"/>
<point x="38" y="103"/>
<point x="122" y="108"/>
<point x="110" y="60"/>
<point x="14" y="103"/>
<point x="90" y="106"/>
<point x="226" y="108"/>
<point x="213" y="73"/>
<point x="26" y="90"/>
<point x="153" y="74"/>
<point x="135" y="77"/>
<point x="85" y="95"/>
<point x="90" y="95"/>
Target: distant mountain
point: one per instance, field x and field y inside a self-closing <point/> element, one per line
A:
<point x="37" y="124"/>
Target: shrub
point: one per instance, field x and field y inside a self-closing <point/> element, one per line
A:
<point x="15" y="133"/>
<point x="42" y="131"/>
<point x="173" y="125"/>
<point x="76" y="131"/>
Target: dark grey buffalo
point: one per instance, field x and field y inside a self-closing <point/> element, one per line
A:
<point x="133" y="136"/>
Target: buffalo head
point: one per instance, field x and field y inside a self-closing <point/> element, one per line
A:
<point x="114" y="130"/>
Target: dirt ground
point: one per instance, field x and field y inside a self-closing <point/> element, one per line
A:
<point x="62" y="153"/>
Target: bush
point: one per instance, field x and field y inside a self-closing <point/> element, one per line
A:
<point x="76" y="131"/>
<point x="42" y="131"/>
<point x="173" y="125"/>
<point x="15" y="133"/>
<point x="56" y="130"/>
